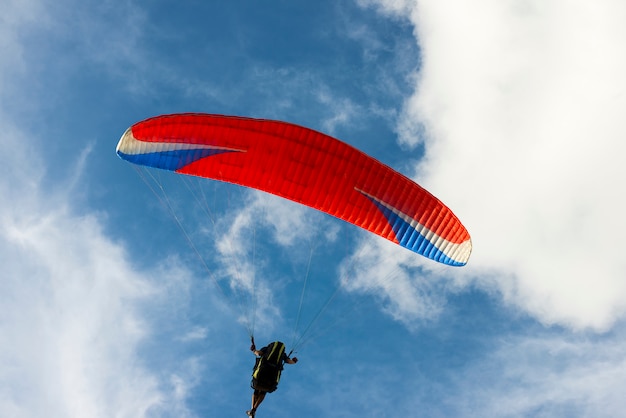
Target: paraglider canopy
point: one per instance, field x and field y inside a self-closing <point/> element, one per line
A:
<point x="304" y="166"/>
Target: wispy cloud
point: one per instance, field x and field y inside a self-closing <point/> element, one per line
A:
<point x="394" y="276"/>
<point x="72" y="321"/>
<point x="290" y="226"/>
<point x="545" y="375"/>
<point x="71" y="318"/>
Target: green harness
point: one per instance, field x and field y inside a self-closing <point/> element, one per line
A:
<point x="268" y="367"/>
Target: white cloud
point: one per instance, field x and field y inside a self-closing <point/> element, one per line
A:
<point x="72" y="322"/>
<point x="343" y="111"/>
<point x="17" y="14"/>
<point x="545" y="376"/>
<point x="393" y="7"/>
<point x="534" y="374"/>
<point x="394" y="276"/>
<point x="523" y="105"/>
<point x="291" y="225"/>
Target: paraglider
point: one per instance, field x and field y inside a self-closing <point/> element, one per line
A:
<point x="267" y="371"/>
<point x="307" y="167"/>
<point x="304" y="166"/>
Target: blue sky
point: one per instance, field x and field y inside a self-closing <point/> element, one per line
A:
<point x="511" y="112"/>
